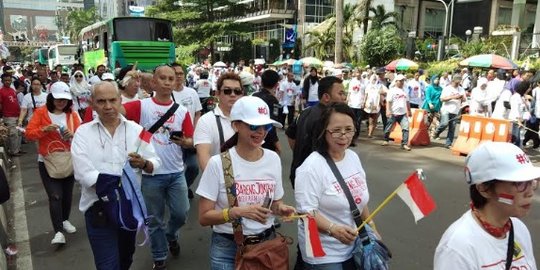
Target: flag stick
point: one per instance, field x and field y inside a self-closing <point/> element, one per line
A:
<point x="379" y="208"/>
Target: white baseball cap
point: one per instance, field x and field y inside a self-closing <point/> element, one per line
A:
<point x="246" y="78"/>
<point x="400" y="77"/>
<point x="253" y="111"/>
<point x="107" y="76"/>
<point x="337" y="72"/>
<point x="499" y="160"/>
<point x="60" y="90"/>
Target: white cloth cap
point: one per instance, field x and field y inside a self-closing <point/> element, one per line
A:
<point x="107" y="76"/>
<point x="60" y="90"/>
<point x="253" y="111"/>
<point x="400" y="77"/>
<point x="501" y="161"/>
<point x="246" y="78"/>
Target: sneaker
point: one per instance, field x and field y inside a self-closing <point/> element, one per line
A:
<point x="385" y="143"/>
<point x="159" y="265"/>
<point x="406" y="147"/>
<point x="174" y="248"/>
<point x="68" y="227"/>
<point x="59" y="239"/>
<point x="448" y="146"/>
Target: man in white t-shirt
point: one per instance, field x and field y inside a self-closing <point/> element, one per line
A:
<point x="100" y="70"/>
<point x="451" y="97"/>
<point x="188" y="97"/>
<point x="416" y="91"/>
<point x="356" y="95"/>
<point x="398" y="110"/>
<point x="286" y="95"/>
<point x="214" y="127"/>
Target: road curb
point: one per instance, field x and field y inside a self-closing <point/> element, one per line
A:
<point x="4" y="238"/>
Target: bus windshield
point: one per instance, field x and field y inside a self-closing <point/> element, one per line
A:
<point x="67" y="50"/>
<point x="44" y="54"/>
<point x="142" y="30"/>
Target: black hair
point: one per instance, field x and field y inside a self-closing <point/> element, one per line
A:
<point x="522" y="87"/>
<point x="313" y="69"/>
<point x="50" y="104"/>
<point x="320" y="144"/>
<point x="204" y="75"/>
<point x="6" y="75"/>
<point x="174" y="64"/>
<point x="325" y="85"/>
<point x="477" y="200"/>
<point x="269" y="78"/>
<point x="122" y="74"/>
<point x="101" y="66"/>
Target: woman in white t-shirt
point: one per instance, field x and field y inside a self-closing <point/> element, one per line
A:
<point x="519" y="111"/>
<point x="257" y="178"/>
<point x="502" y="183"/>
<point x="318" y="193"/>
<point x="34" y="99"/>
<point x="372" y="104"/>
<point x="533" y="123"/>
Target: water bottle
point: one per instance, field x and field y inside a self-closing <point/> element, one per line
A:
<point x="61" y="130"/>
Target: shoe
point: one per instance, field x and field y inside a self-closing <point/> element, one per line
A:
<point x="385" y="143"/>
<point x="22" y="152"/>
<point x="435" y="138"/>
<point x="159" y="265"/>
<point x="68" y="227"/>
<point x="174" y="248"/>
<point x="448" y="146"/>
<point x="190" y="194"/>
<point x="406" y="147"/>
<point x="59" y="239"/>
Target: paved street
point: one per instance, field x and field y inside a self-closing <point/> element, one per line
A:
<point x="412" y="244"/>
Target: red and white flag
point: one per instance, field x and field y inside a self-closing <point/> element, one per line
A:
<point x="313" y="244"/>
<point x="414" y="194"/>
<point x="144" y="140"/>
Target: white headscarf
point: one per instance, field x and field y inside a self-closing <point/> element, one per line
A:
<point x="79" y="89"/>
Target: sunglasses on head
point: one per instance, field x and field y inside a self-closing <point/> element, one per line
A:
<point x="229" y="91"/>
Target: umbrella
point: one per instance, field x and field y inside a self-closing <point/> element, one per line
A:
<point x="277" y="63"/>
<point x="402" y="64"/>
<point x="328" y="64"/>
<point x="488" y="61"/>
<point x="311" y="61"/>
<point x="220" y="64"/>
<point x="289" y="62"/>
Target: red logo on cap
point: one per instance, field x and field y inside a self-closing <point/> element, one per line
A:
<point x="522" y="158"/>
<point x="263" y="110"/>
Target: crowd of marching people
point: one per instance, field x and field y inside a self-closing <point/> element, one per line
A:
<point x="169" y="127"/>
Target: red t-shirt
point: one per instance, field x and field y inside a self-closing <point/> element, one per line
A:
<point x="9" y="101"/>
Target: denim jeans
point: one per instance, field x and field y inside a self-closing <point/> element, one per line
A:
<point x="346" y="265"/>
<point x="191" y="166"/>
<point x="159" y="191"/>
<point x="13" y="142"/>
<point x="60" y="194"/>
<point x="447" y="120"/>
<point x="222" y="253"/>
<point x="403" y="122"/>
<point x="516" y="135"/>
<point x="113" y="248"/>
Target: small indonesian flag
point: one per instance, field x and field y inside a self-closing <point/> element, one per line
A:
<point x="414" y="194"/>
<point x="506" y="198"/>
<point x="144" y="140"/>
<point x="313" y="244"/>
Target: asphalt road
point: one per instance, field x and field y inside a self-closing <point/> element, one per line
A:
<point x="413" y="245"/>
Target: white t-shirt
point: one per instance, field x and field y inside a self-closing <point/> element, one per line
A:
<point x="466" y="246"/>
<point x="313" y="93"/>
<point x="126" y="99"/>
<point x="190" y="99"/>
<point x="454" y="105"/>
<point x="480" y="103"/>
<point x="27" y="103"/>
<point x="288" y="91"/>
<point x="398" y="99"/>
<point x="203" y="87"/>
<point x="319" y="190"/>
<point x="517" y="107"/>
<point x="443" y="82"/>
<point x="495" y="88"/>
<point x="207" y="132"/>
<point x="416" y="92"/>
<point x="253" y="181"/>
<point x="356" y="94"/>
<point x="82" y="101"/>
<point x="500" y="112"/>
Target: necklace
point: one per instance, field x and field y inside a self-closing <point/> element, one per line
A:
<point x="497" y="232"/>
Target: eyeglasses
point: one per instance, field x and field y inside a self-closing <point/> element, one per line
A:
<point x="338" y="133"/>
<point x="229" y="91"/>
<point x="78" y="76"/>
<point x="522" y="186"/>
<point x="266" y="127"/>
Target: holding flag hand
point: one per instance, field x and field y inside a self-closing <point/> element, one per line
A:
<point x="344" y="234"/>
<point x="137" y="161"/>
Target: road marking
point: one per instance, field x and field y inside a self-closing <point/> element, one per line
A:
<point x="24" y="256"/>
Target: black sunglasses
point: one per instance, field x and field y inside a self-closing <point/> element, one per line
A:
<point x="78" y="76"/>
<point x="229" y="91"/>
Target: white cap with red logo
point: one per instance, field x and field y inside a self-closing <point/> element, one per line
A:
<point x="253" y="111"/>
<point x="499" y="161"/>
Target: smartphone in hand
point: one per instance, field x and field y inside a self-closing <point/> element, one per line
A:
<point x="267" y="201"/>
<point x="178" y="134"/>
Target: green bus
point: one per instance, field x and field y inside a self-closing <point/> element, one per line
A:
<point x="41" y="56"/>
<point x="121" y="41"/>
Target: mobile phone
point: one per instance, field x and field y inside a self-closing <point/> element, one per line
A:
<point x="178" y="134"/>
<point x="267" y="201"/>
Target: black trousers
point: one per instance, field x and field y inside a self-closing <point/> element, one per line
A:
<point x="289" y="116"/>
<point x="60" y="193"/>
<point x="529" y="135"/>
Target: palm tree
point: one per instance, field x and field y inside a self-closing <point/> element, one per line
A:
<point x="381" y="18"/>
<point x="321" y="43"/>
<point x="339" y="32"/>
<point x="350" y="21"/>
<point x="366" y="5"/>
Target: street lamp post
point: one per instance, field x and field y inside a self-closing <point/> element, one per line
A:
<point x="468" y="33"/>
<point x="442" y="46"/>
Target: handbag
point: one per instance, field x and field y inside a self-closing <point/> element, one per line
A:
<point x="58" y="160"/>
<point x="369" y="252"/>
<point x="272" y="254"/>
<point x="510" y="249"/>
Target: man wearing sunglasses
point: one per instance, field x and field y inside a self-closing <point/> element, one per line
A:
<point x="214" y="127"/>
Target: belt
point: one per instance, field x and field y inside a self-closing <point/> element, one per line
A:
<point x="253" y="239"/>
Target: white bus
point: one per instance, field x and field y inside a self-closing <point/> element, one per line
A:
<point x="62" y="54"/>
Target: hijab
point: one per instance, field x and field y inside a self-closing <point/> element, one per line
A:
<point x="78" y="89"/>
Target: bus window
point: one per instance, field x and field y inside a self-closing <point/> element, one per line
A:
<point x="105" y="42"/>
<point x="142" y="30"/>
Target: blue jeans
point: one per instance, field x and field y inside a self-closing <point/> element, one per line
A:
<point x="191" y="165"/>
<point x="516" y="135"/>
<point x="447" y="120"/>
<point x="346" y="265"/>
<point x="159" y="191"/>
<point x="113" y="248"/>
<point x="222" y="253"/>
<point x="403" y="122"/>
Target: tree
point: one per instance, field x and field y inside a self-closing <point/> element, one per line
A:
<point x="381" y="18"/>
<point x="380" y="46"/>
<point x="339" y="32"/>
<point x="79" y="19"/>
<point x="350" y="21"/>
<point x="365" y="20"/>
<point x="321" y="43"/>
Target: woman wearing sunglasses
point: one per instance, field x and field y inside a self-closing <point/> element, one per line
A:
<point x="80" y="89"/>
<point x="502" y="181"/>
<point x="257" y="179"/>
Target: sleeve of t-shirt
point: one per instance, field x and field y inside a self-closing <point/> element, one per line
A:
<point x="187" y="126"/>
<point x="133" y="110"/>
<point x="198" y="106"/>
<point x="209" y="184"/>
<point x="447" y="258"/>
<point x="203" y="131"/>
<point x="307" y="188"/>
<point x="279" y="192"/>
<point x="88" y="115"/>
<point x="27" y="102"/>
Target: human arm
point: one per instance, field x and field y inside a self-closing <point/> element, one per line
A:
<point x="22" y="115"/>
<point x="186" y="140"/>
<point x="83" y="166"/>
<point x="204" y="152"/>
<point x="137" y="161"/>
<point x="37" y="127"/>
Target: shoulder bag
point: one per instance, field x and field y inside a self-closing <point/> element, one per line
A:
<point x="272" y="254"/>
<point x="510" y="249"/>
<point x="58" y="159"/>
<point x="369" y="252"/>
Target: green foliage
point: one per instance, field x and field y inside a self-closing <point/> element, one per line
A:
<point x="449" y="65"/>
<point x="79" y="19"/>
<point x="381" y="46"/>
<point x="275" y="49"/>
<point x="500" y="45"/>
<point x="321" y="43"/>
<point x="381" y="18"/>
<point x="241" y="49"/>
<point x="185" y="54"/>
